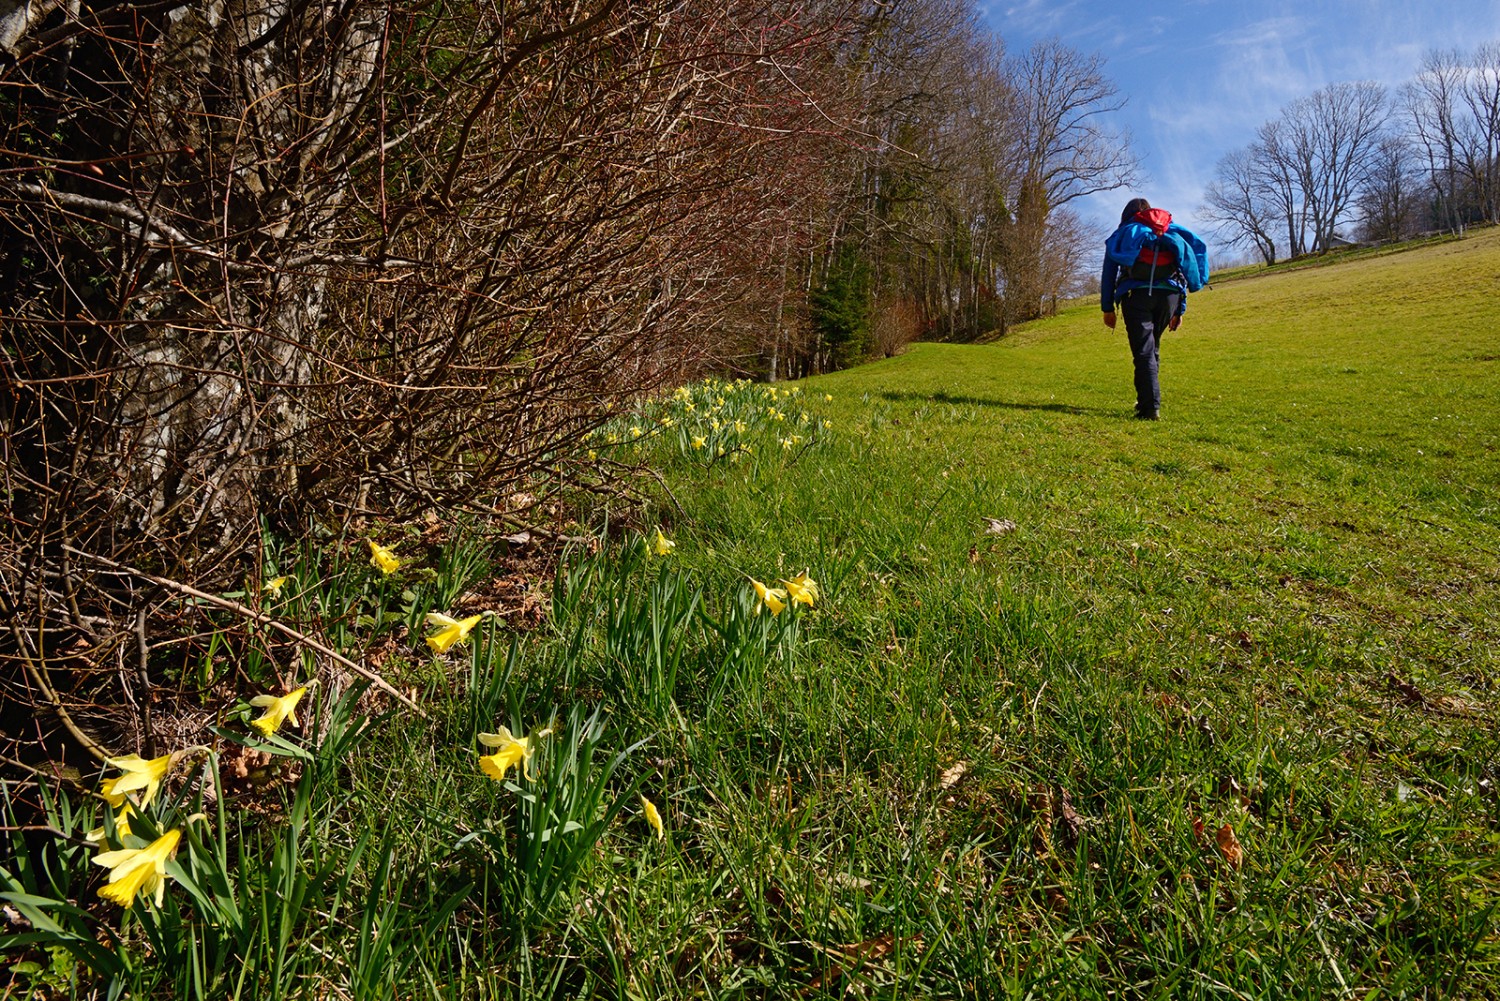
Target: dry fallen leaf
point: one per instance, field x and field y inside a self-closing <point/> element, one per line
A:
<point x="848" y="881"/>
<point x="1041" y="806"/>
<point x="1410" y="694"/>
<point x="951" y="776"/>
<point x="998" y="526"/>
<point x="1071" y="820"/>
<point x="1229" y="847"/>
<point x="845" y="958"/>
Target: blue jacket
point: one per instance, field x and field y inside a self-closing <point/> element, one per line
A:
<point x="1124" y="244"/>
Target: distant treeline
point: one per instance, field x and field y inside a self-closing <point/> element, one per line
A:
<point x="1387" y="166"/>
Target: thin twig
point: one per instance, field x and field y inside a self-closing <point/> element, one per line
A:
<point x="261" y="617"/>
<point x="37" y="674"/>
<point x="145" y="703"/>
<point x="52" y="776"/>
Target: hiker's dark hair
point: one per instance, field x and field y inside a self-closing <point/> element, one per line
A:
<point x="1132" y="207"/>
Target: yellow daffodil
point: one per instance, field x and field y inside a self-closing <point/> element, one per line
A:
<point x="139" y="774"/>
<point x="450" y="630"/>
<point x="739" y="426"/>
<point x="715" y="424"/>
<point x="636" y="432"/>
<point x="383" y="558"/>
<point x="662" y="545"/>
<point x="667" y="422"/>
<point x="699" y="441"/>
<point x="787" y="443"/>
<point x="122" y="825"/>
<point x="275" y="585"/>
<point x="593" y="455"/>
<point x="138" y="870"/>
<point x="828" y="397"/>
<point x="688" y="408"/>
<point x="773" y="598"/>
<point x="612" y="438"/>
<point x="802" y="588"/>
<point x="653" y="817"/>
<point x="279" y="709"/>
<point x="803" y="417"/>
<point x="510" y="750"/>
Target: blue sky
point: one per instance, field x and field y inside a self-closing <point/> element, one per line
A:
<point x="1200" y="75"/>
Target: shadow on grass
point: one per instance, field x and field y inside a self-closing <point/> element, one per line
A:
<point x="980" y="401"/>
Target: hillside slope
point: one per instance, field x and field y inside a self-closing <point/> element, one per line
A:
<point x="1274" y="612"/>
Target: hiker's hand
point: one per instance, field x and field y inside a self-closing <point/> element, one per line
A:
<point x="1174" y="323"/>
<point x="1109" y="320"/>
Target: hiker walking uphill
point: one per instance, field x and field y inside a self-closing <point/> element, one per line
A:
<point x="1150" y="266"/>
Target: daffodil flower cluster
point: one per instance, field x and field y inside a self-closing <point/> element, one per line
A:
<point x="717" y="420"/>
<point x="136" y="871"/>
<point x="799" y="590"/>
<point x="509" y="751"/>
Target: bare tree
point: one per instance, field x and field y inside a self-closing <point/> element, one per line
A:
<point x="1239" y="206"/>
<point x="1305" y="167"/>
<point x="1431" y="105"/>
<point x="1273" y="160"/>
<point x="1480" y="139"/>
<point x="1064" y="151"/>
<point x="1332" y="135"/>
<point x="1388" y="201"/>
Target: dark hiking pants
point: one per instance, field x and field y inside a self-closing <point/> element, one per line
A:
<point x="1147" y="313"/>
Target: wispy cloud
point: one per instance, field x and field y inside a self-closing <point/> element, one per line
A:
<point x="1263" y="65"/>
<point x="1201" y="75"/>
<point x="1035" y="17"/>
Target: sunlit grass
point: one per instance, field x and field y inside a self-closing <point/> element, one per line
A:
<point x="1084" y="707"/>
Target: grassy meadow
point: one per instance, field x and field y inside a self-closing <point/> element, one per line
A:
<point x="1085" y="707"/>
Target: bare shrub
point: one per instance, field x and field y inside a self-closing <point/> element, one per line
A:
<point x="896" y="324"/>
<point x="271" y="264"/>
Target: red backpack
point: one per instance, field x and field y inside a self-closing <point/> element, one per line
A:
<point x="1157" y="260"/>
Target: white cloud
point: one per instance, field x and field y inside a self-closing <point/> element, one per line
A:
<point x="1261" y="66"/>
<point x="1200" y="76"/>
<point x="1036" y="17"/>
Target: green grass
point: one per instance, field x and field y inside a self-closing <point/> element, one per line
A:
<point x="1337" y="257"/>
<point x="1208" y="617"/>
<point x="1274" y="610"/>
